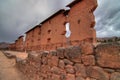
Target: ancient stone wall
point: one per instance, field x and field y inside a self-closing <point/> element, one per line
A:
<point x="83" y="62"/>
<point x="19" y="44"/>
<point x="52" y="30"/>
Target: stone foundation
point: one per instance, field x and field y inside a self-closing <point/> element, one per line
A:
<point x="83" y="62"/>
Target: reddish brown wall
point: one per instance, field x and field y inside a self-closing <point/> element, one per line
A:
<point x="20" y="44"/>
<point x="52" y="31"/>
<point x="12" y="46"/>
<point x="82" y="62"/>
<point x="81" y="18"/>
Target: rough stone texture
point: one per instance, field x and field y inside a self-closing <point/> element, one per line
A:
<point x="79" y="78"/>
<point x="70" y="77"/>
<point x="115" y="76"/>
<point x="53" y="52"/>
<point x="60" y="52"/>
<point x="109" y="70"/>
<point x="53" y="61"/>
<point x="67" y="62"/>
<point x="57" y="71"/>
<point x="70" y="69"/>
<point x="88" y="60"/>
<point x="55" y="77"/>
<point x="73" y="53"/>
<point x="97" y="73"/>
<point x="87" y="48"/>
<point x="39" y="66"/>
<point x="108" y="55"/>
<point x="80" y="70"/>
<point x="61" y="64"/>
<point x="90" y="79"/>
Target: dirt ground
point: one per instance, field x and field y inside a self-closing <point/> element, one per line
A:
<point x="8" y="71"/>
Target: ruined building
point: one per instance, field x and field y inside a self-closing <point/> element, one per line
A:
<point x="50" y="34"/>
<point x="18" y="45"/>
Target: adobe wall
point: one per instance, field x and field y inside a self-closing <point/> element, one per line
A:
<point x="20" y="44"/>
<point x="12" y="46"/>
<point x="29" y="40"/>
<point x="52" y="31"/>
<point x="83" y="62"/>
<point x="82" y="20"/>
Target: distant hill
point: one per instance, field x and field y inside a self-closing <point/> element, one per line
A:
<point x="4" y="45"/>
<point x="108" y="39"/>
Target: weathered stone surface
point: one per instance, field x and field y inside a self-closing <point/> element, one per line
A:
<point x="60" y="52"/>
<point x="79" y="78"/>
<point x="68" y="62"/>
<point x="88" y="60"/>
<point x="80" y="70"/>
<point x="55" y="77"/>
<point x="108" y="55"/>
<point x="90" y="78"/>
<point x="44" y="60"/>
<point x="61" y="64"/>
<point x="53" y="52"/>
<point x="73" y="53"/>
<point x="87" y="48"/>
<point x="45" y="68"/>
<point x="109" y="70"/>
<point x="69" y="69"/>
<point x="70" y="77"/>
<point x="57" y="71"/>
<point x="115" y="76"/>
<point x="63" y="76"/>
<point x="97" y="73"/>
<point x="45" y="53"/>
<point x="53" y="61"/>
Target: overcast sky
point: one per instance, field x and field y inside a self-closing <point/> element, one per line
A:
<point x="18" y="16"/>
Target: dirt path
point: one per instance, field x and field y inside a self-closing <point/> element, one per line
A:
<point x="8" y="70"/>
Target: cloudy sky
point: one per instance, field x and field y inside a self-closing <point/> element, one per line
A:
<point x="18" y="16"/>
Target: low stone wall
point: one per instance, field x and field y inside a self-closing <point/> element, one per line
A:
<point x="84" y="62"/>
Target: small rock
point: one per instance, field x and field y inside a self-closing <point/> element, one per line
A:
<point x="67" y="62"/>
<point x="115" y="76"/>
<point x="61" y="64"/>
<point x="70" y="69"/>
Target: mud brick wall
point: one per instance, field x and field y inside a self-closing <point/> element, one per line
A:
<point x="83" y="62"/>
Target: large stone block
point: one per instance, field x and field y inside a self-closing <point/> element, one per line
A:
<point x="97" y="73"/>
<point x="60" y="52"/>
<point x="87" y="48"/>
<point x="80" y="70"/>
<point x="88" y="60"/>
<point x="73" y="53"/>
<point x="108" y="55"/>
<point x="53" y="61"/>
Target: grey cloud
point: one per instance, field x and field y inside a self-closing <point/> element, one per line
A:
<point x="107" y="18"/>
<point x="18" y="16"/>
